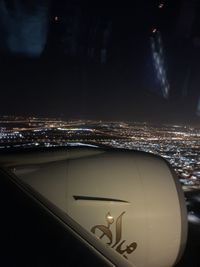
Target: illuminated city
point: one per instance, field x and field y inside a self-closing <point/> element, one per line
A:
<point x="179" y="145"/>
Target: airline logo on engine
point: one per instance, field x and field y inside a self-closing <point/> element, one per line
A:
<point x="106" y="232"/>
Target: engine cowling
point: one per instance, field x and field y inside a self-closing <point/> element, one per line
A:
<point x="130" y="204"/>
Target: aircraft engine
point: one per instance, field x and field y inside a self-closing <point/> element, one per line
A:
<point x="128" y="205"/>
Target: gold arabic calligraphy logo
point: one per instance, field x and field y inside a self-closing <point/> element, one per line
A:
<point x="106" y="231"/>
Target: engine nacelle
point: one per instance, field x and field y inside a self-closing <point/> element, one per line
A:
<point x="130" y="204"/>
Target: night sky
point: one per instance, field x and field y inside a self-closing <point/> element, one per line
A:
<point x="133" y="61"/>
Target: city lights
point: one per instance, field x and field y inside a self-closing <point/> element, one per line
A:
<point x="179" y="145"/>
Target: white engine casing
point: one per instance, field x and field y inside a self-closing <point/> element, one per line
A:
<point x="130" y="202"/>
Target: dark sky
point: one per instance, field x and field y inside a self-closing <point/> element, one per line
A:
<point x="137" y="60"/>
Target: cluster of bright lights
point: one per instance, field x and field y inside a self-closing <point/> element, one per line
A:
<point x="11" y="135"/>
